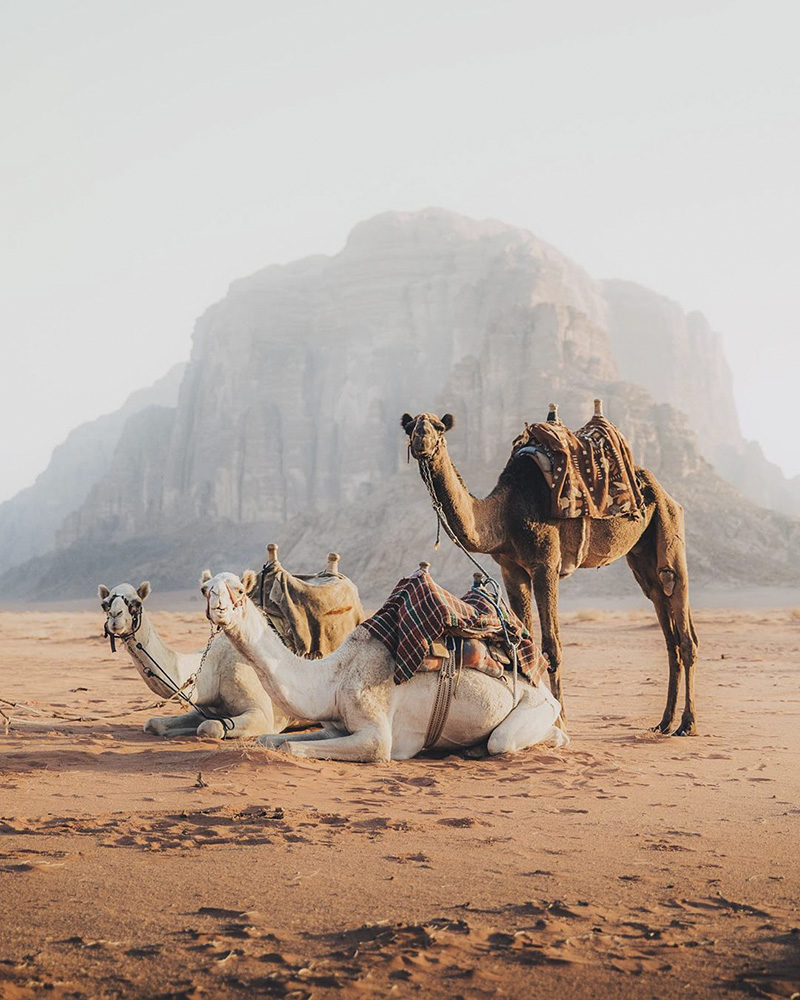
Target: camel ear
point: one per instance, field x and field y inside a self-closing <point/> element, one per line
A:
<point x="449" y="421"/>
<point x="407" y="423"/>
<point x="248" y="580"/>
<point x="103" y="592"/>
<point x="143" y="590"/>
<point x="205" y="577"/>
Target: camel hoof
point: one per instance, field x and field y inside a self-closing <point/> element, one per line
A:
<point x="153" y="727"/>
<point x="662" y="727"/>
<point x="211" y="728"/>
<point x="271" y="740"/>
<point x="686" y="729"/>
<point x="478" y="752"/>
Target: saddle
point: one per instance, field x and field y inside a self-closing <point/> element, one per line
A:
<point x="590" y="472"/>
<point x="470" y="654"/>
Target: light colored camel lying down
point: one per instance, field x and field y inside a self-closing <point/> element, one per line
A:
<point x="367" y="716"/>
<point x="226" y="686"/>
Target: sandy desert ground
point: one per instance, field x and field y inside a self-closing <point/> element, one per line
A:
<point x="626" y="865"/>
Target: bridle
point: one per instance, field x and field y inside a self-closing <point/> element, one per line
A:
<point x="134" y="610"/>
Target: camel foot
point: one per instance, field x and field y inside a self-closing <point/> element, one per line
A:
<point x="478" y="752"/>
<point x="662" y="727"/>
<point x="272" y="741"/>
<point x="688" y="728"/>
<point x="211" y="728"/>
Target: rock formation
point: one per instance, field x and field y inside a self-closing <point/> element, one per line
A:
<point x="286" y="423"/>
<point x="30" y="520"/>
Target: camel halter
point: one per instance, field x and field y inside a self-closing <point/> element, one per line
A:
<point x="134" y="610"/>
<point x="486" y="580"/>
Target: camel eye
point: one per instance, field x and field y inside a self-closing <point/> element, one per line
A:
<point x="105" y="605"/>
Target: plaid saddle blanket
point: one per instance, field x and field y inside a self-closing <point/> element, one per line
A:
<point x="590" y="472"/>
<point x="419" y="611"/>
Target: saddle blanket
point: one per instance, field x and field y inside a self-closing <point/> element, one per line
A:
<point x="590" y="472"/>
<point x="419" y="611"/>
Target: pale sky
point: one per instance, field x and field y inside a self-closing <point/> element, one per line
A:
<point x="155" y="151"/>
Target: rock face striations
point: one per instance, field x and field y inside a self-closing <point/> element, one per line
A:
<point x="287" y="419"/>
<point x="30" y="521"/>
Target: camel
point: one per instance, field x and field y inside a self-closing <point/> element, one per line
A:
<point x="366" y="716"/>
<point x="534" y="550"/>
<point x="315" y="617"/>
<point x="219" y="682"/>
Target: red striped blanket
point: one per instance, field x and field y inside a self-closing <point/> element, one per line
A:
<point x="419" y="611"/>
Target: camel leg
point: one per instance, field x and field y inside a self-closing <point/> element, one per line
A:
<point x="545" y="590"/>
<point x="518" y="587"/>
<point x="253" y="722"/>
<point x="675" y="619"/>
<point x="670" y="583"/>
<point x="366" y="746"/>
<point x="275" y="740"/>
<point x="530" y="722"/>
<point x="174" y="725"/>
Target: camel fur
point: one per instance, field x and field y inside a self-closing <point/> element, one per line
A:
<point x="367" y="716"/>
<point x="534" y="550"/>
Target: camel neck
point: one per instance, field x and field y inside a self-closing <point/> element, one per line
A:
<point x="474" y="520"/>
<point x="177" y="666"/>
<point x="303" y="689"/>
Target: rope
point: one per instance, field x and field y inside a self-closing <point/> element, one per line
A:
<point x="494" y="593"/>
<point x="227" y="724"/>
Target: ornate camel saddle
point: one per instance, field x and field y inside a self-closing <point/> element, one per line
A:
<point x="590" y="472"/>
<point x="426" y="628"/>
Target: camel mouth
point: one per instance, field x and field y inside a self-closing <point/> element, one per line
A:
<point x="422" y="454"/>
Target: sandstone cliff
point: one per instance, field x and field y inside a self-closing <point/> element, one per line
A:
<point x="287" y="421"/>
<point x="30" y="520"/>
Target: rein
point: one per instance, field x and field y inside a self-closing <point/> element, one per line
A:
<point x="485" y="578"/>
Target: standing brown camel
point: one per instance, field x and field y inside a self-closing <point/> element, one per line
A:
<point x="513" y="526"/>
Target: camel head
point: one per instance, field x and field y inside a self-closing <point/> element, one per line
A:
<point x="123" y="607"/>
<point x="226" y="595"/>
<point x="426" y="432"/>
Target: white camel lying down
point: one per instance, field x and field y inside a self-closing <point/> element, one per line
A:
<point x="368" y="717"/>
<point x="226" y="686"/>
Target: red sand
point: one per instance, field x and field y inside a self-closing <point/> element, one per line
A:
<point x="626" y="865"/>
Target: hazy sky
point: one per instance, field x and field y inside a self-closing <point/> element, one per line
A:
<point x="155" y="151"/>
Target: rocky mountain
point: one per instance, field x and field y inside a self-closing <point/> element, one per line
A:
<point x="680" y="360"/>
<point x="30" y="520"/>
<point x="286" y="424"/>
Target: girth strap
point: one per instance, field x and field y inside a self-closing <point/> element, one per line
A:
<point x="445" y="692"/>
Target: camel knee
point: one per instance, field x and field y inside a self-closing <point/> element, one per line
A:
<point x="211" y="728"/>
